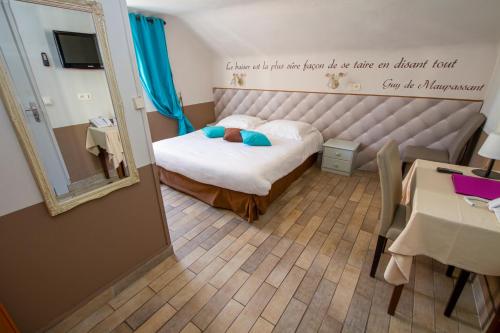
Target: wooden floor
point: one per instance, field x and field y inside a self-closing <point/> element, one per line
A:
<point x="302" y="267"/>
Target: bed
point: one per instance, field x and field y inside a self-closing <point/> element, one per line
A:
<point x="244" y="179"/>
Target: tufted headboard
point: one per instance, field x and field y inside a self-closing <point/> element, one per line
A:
<point x="369" y="120"/>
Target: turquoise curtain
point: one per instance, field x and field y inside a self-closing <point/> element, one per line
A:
<point x="154" y="68"/>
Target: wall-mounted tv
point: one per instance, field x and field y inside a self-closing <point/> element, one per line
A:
<point x="78" y="50"/>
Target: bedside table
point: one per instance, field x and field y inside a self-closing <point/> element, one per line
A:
<point x="339" y="156"/>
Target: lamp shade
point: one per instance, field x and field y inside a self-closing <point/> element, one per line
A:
<point x="491" y="147"/>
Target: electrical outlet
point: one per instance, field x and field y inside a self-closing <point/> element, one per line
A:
<point x="84" y="96"/>
<point x="355" y="86"/>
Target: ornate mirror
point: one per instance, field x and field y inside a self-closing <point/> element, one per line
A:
<point x="59" y="88"/>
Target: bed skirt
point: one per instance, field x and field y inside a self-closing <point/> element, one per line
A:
<point x="248" y="206"/>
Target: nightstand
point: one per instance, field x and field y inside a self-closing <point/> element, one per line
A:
<point x="339" y="156"/>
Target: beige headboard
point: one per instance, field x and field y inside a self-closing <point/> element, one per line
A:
<point x="369" y="120"/>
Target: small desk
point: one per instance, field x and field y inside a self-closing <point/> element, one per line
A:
<point x="105" y="143"/>
<point x="444" y="227"/>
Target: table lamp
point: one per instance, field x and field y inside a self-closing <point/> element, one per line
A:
<point x="490" y="149"/>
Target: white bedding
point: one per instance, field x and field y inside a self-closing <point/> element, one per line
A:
<point x="233" y="165"/>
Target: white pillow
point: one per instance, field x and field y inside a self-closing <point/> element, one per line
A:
<point x="241" y="121"/>
<point x="288" y="129"/>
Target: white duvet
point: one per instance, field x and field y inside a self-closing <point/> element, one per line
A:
<point x="233" y="165"/>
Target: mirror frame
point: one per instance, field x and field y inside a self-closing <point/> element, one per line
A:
<point x="8" y="96"/>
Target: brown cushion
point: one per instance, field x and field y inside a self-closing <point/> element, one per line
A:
<point x="232" y="135"/>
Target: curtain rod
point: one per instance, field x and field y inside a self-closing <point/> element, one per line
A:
<point x="149" y="19"/>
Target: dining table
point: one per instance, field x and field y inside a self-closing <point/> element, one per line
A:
<point x="444" y="226"/>
<point x="105" y="143"/>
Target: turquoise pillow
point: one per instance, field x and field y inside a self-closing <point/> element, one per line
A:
<point x="213" y="131"/>
<point x="252" y="138"/>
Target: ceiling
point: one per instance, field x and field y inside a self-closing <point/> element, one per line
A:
<point x="256" y="27"/>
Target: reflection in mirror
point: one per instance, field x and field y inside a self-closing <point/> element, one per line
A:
<point x="54" y="61"/>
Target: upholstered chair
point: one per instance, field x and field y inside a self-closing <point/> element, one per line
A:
<point x="455" y="151"/>
<point x="393" y="213"/>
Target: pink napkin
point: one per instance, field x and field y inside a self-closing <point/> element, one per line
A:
<point x="479" y="187"/>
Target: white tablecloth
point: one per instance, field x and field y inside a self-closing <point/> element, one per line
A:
<point x="443" y="226"/>
<point x="108" y="138"/>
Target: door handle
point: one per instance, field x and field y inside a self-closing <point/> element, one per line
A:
<point x="36" y="113"/>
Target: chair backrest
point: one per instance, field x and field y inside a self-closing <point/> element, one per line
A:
<point x="389" y="167"/>
<point x="464" y="135"/>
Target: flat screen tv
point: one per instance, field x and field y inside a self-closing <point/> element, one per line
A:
<point x="78" y="50"/>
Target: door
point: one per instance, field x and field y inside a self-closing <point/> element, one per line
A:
<point x="14" y="60"/>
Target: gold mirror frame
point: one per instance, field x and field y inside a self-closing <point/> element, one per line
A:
<point x="8" y="96"/>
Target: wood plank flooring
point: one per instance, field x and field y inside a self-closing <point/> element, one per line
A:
<point x="303" y="266"/>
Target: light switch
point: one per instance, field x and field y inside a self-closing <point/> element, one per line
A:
<point x="139" y="102"/>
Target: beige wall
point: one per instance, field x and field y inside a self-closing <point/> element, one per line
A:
<point x="307" y="72"/>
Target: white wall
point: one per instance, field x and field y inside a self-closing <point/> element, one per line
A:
<point x="191" y="61"/>
<point x="491" y="106"/>
<point x="61" y="85"/>
<point x="254" y="31"/>
<point x="14" y="170"/>
<point x="470" y="65"/>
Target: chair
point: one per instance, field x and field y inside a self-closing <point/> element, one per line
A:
<point x="393" y="220"/>
<point x="393" y="214"/>
<point x="454" y="152"/>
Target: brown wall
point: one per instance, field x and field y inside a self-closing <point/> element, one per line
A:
<point x="162" y="127"/>
<point x="80" y="163"/>
<point x="51" y="265"/>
